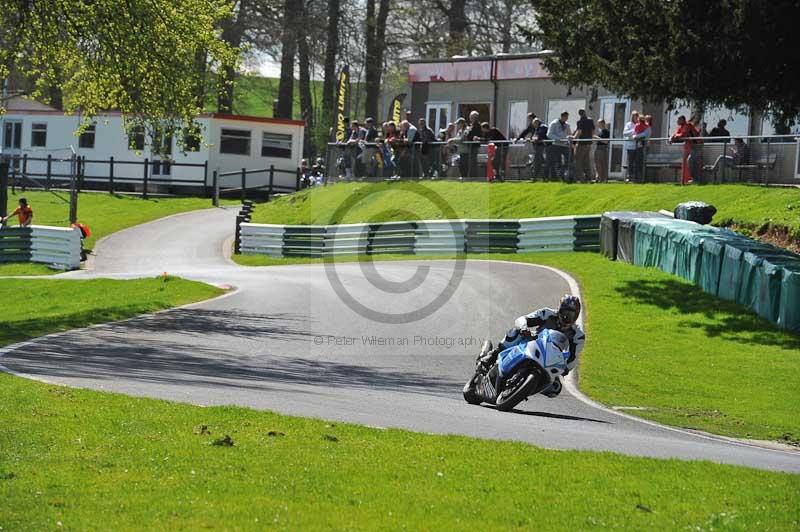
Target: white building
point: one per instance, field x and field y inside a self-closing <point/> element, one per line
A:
<point x="31" y="131"/>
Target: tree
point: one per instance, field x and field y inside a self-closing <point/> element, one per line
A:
<point x="292" y="16"/>
<point x="331" y="44"/>
<point x="376" y="44"/>
<point x="233" y="31"/>
<point x="734" y="53"/>
<point x="306" y="103"/>
<point x="137" y="56"/>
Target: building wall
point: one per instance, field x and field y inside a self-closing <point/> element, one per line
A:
<point x="111" y="140"/>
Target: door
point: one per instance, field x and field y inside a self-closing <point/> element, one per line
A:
<point x="438" y="115"/>
<point x="162" y="155"/>
<point x="615" y="112"/>
<point x="12" y="142"/>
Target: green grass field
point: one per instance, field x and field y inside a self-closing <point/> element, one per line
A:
<point x="84" y="460"/>
<point x="659" y="342"/>
<point x="747" y="206"/>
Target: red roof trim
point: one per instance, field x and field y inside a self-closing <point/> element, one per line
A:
<point x="245" y="118"/>
<point x="242" y="118"/>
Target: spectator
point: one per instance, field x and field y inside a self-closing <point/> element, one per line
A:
<point x="558" y="152"/>
<point x="354" y="141"/>
<point x="704" y="130"/>
<point x="628" y="134"/>
<point x="402" y="149"/>
<point x="530" y="130"/>
<point x="686" y="134"/>
<point x="474" y="135"/>
<point x="720" y="131"/>
<point x="584" y="131"/>
<point x="370" y="149"/>
<point x="386" y="161"/>
<point x="641" y="133"/>
<point x="23" y="212"/>
<point x="601" y="151"/>
<point x="538" y="141"/>
<point x="492" y="134"/>
<point x="739" y="156"/>
<point x="459" y="139"/>
<point x="428" y="151"/>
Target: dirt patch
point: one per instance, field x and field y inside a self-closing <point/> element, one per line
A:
<point x="777" y="235"/>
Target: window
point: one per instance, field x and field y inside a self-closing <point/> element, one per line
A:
<point x="86" y="140"/>
<point x="570" y="105"/>
<point x="517" y="118"/>
<point x="38" y="135"/>
<point x="191" y="142"/>
<point x="276" y="145"/>
<point x="136" y="138"/>
<point x="12" y="137"/>
<point x="438" y="114"/>
<point x="235" y="141"/>
<point x="484" y="111"/>
<point x="769" y="128"/>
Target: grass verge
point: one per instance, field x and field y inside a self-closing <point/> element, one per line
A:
<point x="87" y="460"/>
<point x="104" y="214"/>
<point x="749" y="207"/>
<point x="661" y="343"/>
<point x="34" y="307"/>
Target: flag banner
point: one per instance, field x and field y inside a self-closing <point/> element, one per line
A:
<point x="342" y="104"/>
<point x="396" y="109"/>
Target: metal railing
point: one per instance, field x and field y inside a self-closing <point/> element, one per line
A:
<point x="756" y="159"/>
<point x="246" y="179"/>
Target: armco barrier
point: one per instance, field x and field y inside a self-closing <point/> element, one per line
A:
<point x="57" y="246"/>
<point x="762" y="277"/>
<point x="562" y="233"/>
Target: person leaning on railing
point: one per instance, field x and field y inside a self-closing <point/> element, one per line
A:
<point x="492" y="134"/>
<point x="370" y="149"/>
<point x="601" y="151"/>
<point x="558" y="152"/>
<point x="426" y="154"/>
<point x="459" y="139"/>
<point x="584" y="130"/>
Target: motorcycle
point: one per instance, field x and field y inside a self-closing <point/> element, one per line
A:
<point x="520" y="371"/>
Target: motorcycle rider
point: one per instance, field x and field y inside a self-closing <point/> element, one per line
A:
<point x="564" y="319"/>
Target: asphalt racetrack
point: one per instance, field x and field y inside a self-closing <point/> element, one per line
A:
<point x="286" y="340"/>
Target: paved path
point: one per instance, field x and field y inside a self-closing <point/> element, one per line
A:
<point x="285" y="341"/>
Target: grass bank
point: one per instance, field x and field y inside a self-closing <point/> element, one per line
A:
<point x="660" y="343"/>
<point x="86" y="460"/>
<point x="33" y="307"/>
<point x="749" y="207"/>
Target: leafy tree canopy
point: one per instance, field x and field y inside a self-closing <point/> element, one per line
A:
<point x="145" y="58"/>
<point x="728" y="52"/>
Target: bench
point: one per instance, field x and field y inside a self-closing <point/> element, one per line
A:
<point x="761" y="164"/>
<point x="664" y="160"/>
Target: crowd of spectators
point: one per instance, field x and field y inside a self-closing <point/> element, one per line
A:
<point x="558" y="152"/>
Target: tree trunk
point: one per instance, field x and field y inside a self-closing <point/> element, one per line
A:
<point x="306" y="105"/>
<point x="376" y="45"/>
<point x="329" y="83"/>
<point x="457" y="27"/>
<point x="506" y="25"/>
<point x="232" y="33"/>
<point x="292" y="10"/>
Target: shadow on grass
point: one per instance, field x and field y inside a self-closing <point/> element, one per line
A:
<point x="721" y="319"/>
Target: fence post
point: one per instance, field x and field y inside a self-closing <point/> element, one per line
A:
<point x="723" y="161"/>
<point x="237" y="248"/>
<point x="12" y="171"/>
<point x="271" y="180"/>
<point x="81" y="169"/>
<point x="111" y="175"/>
<point x="214" y="190"/>
<point x="3" y="188"/>
<point x="24" y="170"/>
<point x="297" y="180"/>
<point x="414" y="166"/>
<point x="73" y="190"/>
<point x="244" y="184"/>
<point x="47" y="184"/>
<point x="205" y="175"/>
<point x="144" y="181"/>
<point x="766" y="166"/>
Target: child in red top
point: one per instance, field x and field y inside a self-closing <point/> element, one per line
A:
<point x="641" y="126"/>
<point x="24" y="212"/>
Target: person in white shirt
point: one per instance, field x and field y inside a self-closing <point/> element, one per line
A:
<point x="558" y="152"/>
<point x="629" y="135"/>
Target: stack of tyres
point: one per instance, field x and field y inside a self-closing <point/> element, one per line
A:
<point x="789" y="305"/>
<point x="766" y="289"/>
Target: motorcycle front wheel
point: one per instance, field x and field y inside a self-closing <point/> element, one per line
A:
<point x="522" y="383"/>
<point x="469" y="390"/>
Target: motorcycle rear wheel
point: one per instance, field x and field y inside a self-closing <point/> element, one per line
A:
<point x="518" y="387"/>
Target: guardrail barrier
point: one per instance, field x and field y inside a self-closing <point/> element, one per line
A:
<point x="56" y="246"/>
<point x="561" y="233"/>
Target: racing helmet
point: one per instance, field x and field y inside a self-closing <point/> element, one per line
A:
<point x="569" y="308"/>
